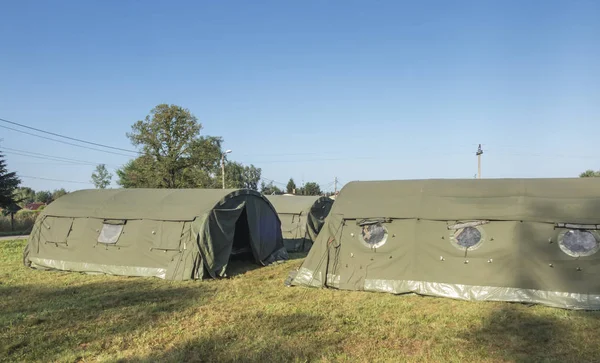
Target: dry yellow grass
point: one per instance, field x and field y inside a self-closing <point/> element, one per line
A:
<point x="253" y="317"/>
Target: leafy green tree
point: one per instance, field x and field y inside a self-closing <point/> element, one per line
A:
<point x="101" y="177"/>
<point x="251" y="177"/>
<point x="311" y="188"/>
<point x="43" y="196"/>
<point x="138" y="173"/>
<point x="24" y="196"/>
<point x="239" y="176"/>
<point x="57" y="193"/>
<point x="269" y="189"/>
<point x="291" y="187"/>
<point x="174" y="155"/>
<point x="8" y="185"/>
<point x="590" y="174"/>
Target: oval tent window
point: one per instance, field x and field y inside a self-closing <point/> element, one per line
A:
<point x="578" y="243"/>
<point x="467" y="238"/>
<point x="373" y="235"/>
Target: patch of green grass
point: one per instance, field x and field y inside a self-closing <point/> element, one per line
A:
<point x="252" y="317"/>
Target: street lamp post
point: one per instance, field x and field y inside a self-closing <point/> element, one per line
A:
<point x="223" y="166"/>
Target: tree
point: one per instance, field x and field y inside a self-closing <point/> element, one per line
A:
<point x="311" y="188"/>
<point x="291" y="187"/>
<point x="43" y="196"/>
<point x="251" y="177"/>
<point x="137" y="173"/>
<point x="57" y="193"/>
<point x="24" y="196"/>
<point x="101" y="177"/>
<point x="8" y="185"/>
<point x="269" y="189"/>
<point x="239" y="176"/>
<point x="174" y="155"/>
<point x="11" y="210"/>
<point x="589" y="174"/>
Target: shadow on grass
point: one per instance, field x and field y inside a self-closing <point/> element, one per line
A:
<point x="273" y="338"/>
<point x="47" y="323"/>
<point x="241" y="264"/>
<point x="517" y="334"/>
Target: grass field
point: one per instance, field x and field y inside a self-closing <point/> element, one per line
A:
<point x="253" y="317"/>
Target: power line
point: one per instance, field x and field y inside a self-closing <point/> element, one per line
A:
<point x="32" y="154"/>
<point x="64" y="163"/>
<point x="64" y="142"/>
<point x="67" y="137"/>
<point x="45" y="158"/>
<point x="345" y="158"/>
<point x="306" y="160"/>
<point x="273" y="181"/>
<point x="58" y="180"/>
<point x="549" y="155"/>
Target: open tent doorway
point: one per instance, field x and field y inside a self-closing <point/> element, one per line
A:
<point x="242" y="258"/>
<point x="241" y="248"/>
<point x="241" y="238"/>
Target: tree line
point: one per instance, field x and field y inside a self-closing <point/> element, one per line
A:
<point x="309" y="188"/>
<point x="590" y="174"/>
<point x="26" y="195"/>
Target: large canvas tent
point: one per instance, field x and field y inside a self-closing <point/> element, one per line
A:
<point x="519" y="240"/>
<point x="302" y="217"/>
<point x="172" y="234"/>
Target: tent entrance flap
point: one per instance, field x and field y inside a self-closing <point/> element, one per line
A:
<point x="241" y="238"/>
<point x="226" y="233"/>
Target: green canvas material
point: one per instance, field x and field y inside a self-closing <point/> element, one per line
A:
<point x="302" y="218"/>
<point x="171" y="234"/>
<point x="518" y="259"/>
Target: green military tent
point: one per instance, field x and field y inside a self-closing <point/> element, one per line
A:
<point x="519" y="240"/>
<point x="172" y="234"/>
<point x="302" y="217"/>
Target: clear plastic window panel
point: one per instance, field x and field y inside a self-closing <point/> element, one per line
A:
<point x="579" y="243"/>
<point x="110" y="233"/>
<point x="468" y="237"/>
<point x="374" y="235"/>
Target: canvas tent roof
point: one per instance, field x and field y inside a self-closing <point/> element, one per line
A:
<point x="158" y="204"/>
<point x="541" y="200"/>
<point x="519" y="240"/>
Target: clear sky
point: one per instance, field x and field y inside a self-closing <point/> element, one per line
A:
<point x="360" y="90"/>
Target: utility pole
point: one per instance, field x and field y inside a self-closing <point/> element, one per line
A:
<point x="223" y="166"/>
<point x="478" y="153"/>
<point x="335" y="185"/>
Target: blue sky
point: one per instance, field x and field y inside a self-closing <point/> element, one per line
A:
<point x="360" y="90"/>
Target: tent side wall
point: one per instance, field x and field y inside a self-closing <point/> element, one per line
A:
<point x="150" y="248"/>
<point x="293" y="229"/>
<point x="512" y="259"/>
<point x="302" y="217"/>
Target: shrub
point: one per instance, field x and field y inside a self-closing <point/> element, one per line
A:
<point x="23" y="221"/>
